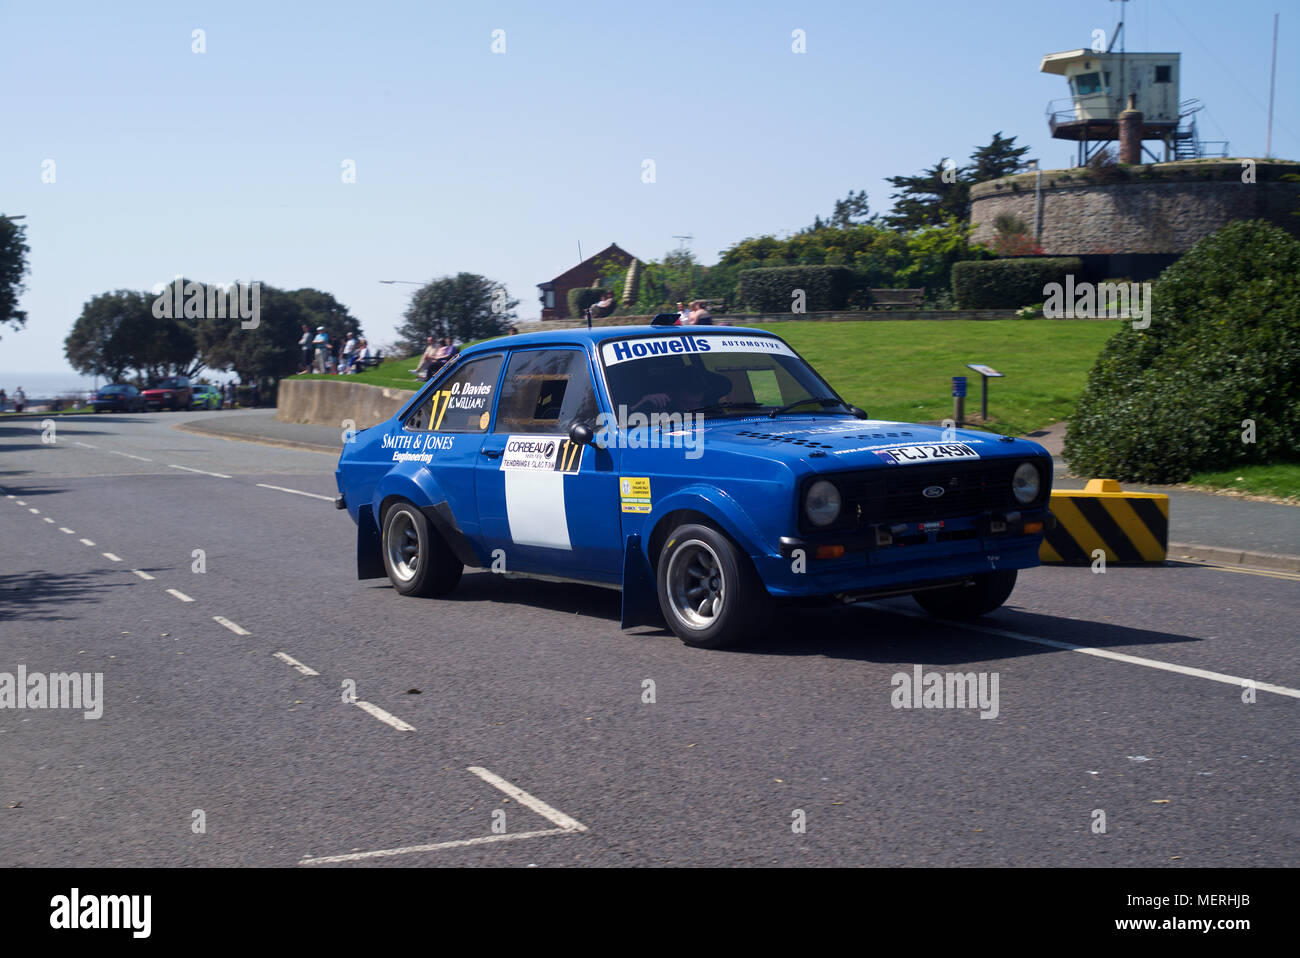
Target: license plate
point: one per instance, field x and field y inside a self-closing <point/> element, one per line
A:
<point x="928" y="453"/>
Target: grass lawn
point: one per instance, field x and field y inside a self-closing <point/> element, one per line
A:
<point x="1280" y="479"/>
<point x="902" y="370"/>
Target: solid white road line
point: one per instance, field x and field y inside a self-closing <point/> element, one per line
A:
<point x="180" y="595"/>
<point x="296" y="492"/>
<point x="463" y="843"/>
<point x="290" y="660"/>
<point x="144" y="575"/>
<point x="67" y="530"/>
<point x="1236" y="680"/>
<point x="536" y="804"/>
<point x="203" y="472"/>
<point x="111" y="558"/>
<point x="386" y="717"/>
<point x="232" y="626"/>
<point x="87" y="542"/>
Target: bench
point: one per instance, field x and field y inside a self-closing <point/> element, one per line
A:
<point x="885" y="298"/>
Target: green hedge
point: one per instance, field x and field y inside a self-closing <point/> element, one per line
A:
<point x="771" y="289"/>
<point x="1008" y="283"/>
<point x="582" y="297"/>
<point x="1223" y="347"/>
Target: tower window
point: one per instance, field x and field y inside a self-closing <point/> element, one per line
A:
<point x="1163" y="73"/>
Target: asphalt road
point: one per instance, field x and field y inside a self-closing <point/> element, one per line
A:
<point x="226" y="675"/>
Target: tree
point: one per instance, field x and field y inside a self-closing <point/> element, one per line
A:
<point x="13" y="266"/>
<point x="943" y="191"/>
<point x="466" y="307"/>
<point x="117" y="332"/>
<point x="322" y="309"/>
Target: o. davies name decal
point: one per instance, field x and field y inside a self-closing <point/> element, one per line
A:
<point x="541" y="454"/>
<point x="622" y="350"/>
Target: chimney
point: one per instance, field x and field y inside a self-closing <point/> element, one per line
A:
<point x="1130" y="133"/>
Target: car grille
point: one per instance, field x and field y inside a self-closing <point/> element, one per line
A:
<point x="896" y="494"/>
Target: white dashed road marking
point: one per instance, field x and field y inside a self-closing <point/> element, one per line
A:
<point x="84" y="445"/>
<point x="203" y="472"/>
<point x="114" y="452"/>
<point x="1238" y="681"/>
<point x="112" y="558"/>
<point x="144" y="575"/>
<point x="34" y="511"/>
<point x="290" y="660"/>
<point x="233" y="627"/>
<point x="386" y="717"/>
<point x="532" y="801"/>
<point x="87" y="542"/>
<point x="296" y="492"/>
<point x="180" y="595"/>
<point x="67" y="530"/>
<point x="49" y="520"/>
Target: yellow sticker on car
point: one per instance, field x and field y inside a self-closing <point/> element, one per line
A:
<point x="634" y="493"/>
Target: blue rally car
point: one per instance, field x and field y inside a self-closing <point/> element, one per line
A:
<point x="705" y="471"/>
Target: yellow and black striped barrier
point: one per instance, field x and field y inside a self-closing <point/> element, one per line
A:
<point x="1129" y="527"/>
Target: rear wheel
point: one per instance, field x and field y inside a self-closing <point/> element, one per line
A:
<point x="986" y="593"/>
<point x="708" y="592"/>
<point x="416" y="558"/>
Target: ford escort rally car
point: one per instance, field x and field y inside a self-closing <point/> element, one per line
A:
<point x="705" y="472"/>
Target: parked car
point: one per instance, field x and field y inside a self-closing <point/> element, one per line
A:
<point x="118" y="397"/>
<point x="205" y="397"/>
<point x="173" y="392"/>
<point x="706" y="473"/>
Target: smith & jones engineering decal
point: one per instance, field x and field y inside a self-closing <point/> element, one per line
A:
<point x="534" y="468"/>
<point x="621" y="350"/>
<point x="927" y="453"/>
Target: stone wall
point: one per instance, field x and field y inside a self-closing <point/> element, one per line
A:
<point x="1160" y="208"/>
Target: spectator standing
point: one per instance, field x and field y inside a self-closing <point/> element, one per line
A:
<point x="347" y="354"/>
<point x="683" y="314"/>
<point x="361" y="356"/>
<point x="304" y="346"/>
<point x="20" y="399"/>
<point x="321" y="342"/>
<point x="3" y="399"/>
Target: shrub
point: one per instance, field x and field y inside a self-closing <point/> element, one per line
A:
<point x="582" y="297"/>
<point x="1223" y="347"/>
<point x="771" y="289"/>
<point x="1008" y="283"/>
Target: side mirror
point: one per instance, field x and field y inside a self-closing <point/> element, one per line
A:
<point x="858" y="413"/>
<point x="581" y="434"/>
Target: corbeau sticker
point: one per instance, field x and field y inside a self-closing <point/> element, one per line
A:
<point x="946" y="450"/>
<point x="634" y="493"/>
<point x="622" y="350"/>
<point x="541" y="454"/>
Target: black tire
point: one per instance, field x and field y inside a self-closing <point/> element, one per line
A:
<point x="709" y="593"/>
<point x="416" y="558"/>
<point x="988" y="592"/>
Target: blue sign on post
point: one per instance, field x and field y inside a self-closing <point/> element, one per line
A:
<point x="958" y="386"/>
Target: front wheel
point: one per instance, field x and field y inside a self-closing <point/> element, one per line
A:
<point x="986" y="593"/>
<point x="708" y="591"/>
<point x="417" y="560"/>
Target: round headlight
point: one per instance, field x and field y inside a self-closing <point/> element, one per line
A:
<point x="1026" y="483"/>
<point x="822" y="503"/>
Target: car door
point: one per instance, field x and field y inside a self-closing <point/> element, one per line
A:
<point x="548" y="504"/>
<point x="444" y="433"/>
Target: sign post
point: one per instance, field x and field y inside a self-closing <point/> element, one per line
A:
<point x="986" y="373"/>
<point x="958" y="399"/>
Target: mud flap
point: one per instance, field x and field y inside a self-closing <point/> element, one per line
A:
<point x="370" y="558"/>
<point x="640" y="595"/>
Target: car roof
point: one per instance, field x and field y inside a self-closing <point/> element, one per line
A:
<point x="581" y="336"/>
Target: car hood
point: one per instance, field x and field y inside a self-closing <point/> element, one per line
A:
<point x="827" y="444"/>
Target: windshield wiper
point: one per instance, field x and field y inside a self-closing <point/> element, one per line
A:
<point x="720" y="406"/>
<point x="823" y="401"/>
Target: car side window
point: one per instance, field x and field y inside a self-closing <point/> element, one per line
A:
<point x="545" y="391"/>
<point x="462" y="402"/>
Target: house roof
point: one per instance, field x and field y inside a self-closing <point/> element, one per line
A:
<point x="612" y="250"/>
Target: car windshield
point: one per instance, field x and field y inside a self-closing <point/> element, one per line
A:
<point x="713" y="375"/>
<point x="166" y="384"/>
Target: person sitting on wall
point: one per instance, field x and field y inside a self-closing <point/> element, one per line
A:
<point x="428" y="359"/>
<point x="604" y="307"/>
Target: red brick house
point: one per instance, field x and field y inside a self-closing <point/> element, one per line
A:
<point x="555" y="293"/>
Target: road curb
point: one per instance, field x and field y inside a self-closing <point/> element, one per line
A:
<point x="260" y="440"/>
<point x="1225" y="556"/>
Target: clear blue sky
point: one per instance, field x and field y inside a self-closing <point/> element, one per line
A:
<point x="228" y="164"/>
